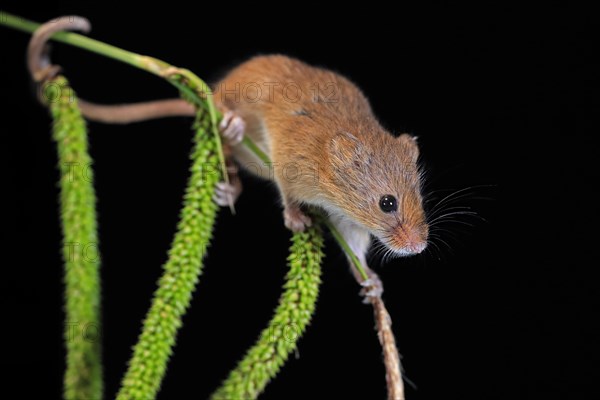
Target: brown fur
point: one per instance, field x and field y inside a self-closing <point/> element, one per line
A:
<point x="326" y="145"/>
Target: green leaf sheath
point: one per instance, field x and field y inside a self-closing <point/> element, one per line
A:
<point x="148" y="365"/>
<point x="296" y="306"/>
<point x="83" y="377"/>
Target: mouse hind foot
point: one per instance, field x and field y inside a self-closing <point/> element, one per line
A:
<point x="295" y="219"/>
<point x="227" y="193"/>
<point x="372" y="287"/>
<point x="232" y="128"/>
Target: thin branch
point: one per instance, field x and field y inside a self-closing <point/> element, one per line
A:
<point x="391" y="358"/>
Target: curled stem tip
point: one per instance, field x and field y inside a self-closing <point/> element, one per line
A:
<point x="38" y="59"/>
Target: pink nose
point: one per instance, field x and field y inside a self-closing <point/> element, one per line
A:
<point x="416" y="247"/>
<point x="415" y="240"/>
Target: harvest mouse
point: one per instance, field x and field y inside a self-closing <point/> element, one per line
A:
<point x="327" y="150"/>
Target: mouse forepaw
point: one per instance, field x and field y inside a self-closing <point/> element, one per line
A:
<point x="295" y="220"/>
<point x="232" y="128"/>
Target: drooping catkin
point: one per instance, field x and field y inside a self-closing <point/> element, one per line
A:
<point x="296" y="307"/>
<point x="83" y="376"/>
<point x="148" y="365"/>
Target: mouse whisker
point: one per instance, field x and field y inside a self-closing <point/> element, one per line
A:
<point x="377" y="251"/>
<point x="459" y="194"/>
<point x="453" y="221"/>
<point x="448" y="216"/>
<point x="431" y="245"/>
<point x="389" y="255"/>
<point x="448" y="211"/>
<point x="442" y="241"/>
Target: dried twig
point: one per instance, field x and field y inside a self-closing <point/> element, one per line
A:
<point x="391" y="358"/>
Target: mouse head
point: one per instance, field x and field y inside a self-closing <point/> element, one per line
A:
<point x="377" y="183"/>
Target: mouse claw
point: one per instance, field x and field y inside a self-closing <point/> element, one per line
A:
<point x="232" y="128"/>
<point x="372" y="288"/>
<point x="295" y="220"/>
<point x="226" y="193"/>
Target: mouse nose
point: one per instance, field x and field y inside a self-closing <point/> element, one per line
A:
<point x="416" y="248"/>
<point x="415" y="239"/>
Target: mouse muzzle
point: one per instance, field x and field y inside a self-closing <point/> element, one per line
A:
<point x="409" y="240"/>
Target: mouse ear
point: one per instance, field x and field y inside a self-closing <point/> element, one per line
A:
<point x="409" y="144"/>
<point x="346" y="149"/>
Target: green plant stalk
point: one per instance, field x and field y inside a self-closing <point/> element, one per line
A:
<point x="193" y="89"/>
<point x="159" y="68"/>
<point x="340" y="239"/>
<point x="293" y="314"/>
<point x="83" y="377"/>
<point x="181" y="272"/>
<point x="183" y="79"/>
<point x="195" y="99"/>
<point x="81" y="41"/>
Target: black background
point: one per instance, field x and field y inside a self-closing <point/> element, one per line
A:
<point x="498" y="95"/>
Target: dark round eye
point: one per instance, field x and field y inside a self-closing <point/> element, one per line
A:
<point x="388" y="203"/>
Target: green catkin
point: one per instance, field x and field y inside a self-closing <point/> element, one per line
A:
<point x="296" y="306"/>
<point x="148" y="364"/>
<point x="83" y="377"/>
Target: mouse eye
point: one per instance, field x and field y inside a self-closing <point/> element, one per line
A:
<point x="388" y="203"/>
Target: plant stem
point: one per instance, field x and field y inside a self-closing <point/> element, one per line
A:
<point x="161" y="69"/>
<point x="344" y="245"/>
<point x="83" y="377"/>
<point x="256" y="150"/>
<point x="77" y="40"/>
<point x="176" y="76"/>
<point x="391" y="357"/>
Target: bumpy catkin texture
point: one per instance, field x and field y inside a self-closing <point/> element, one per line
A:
<point x="181" y="272"/>
<point x="296" y="306"/>
<point x="83" y="377"/>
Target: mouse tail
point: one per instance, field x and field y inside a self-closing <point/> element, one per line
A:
<point x="136" y="112"/>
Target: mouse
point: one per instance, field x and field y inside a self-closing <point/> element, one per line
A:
<point x="327" y="150"/>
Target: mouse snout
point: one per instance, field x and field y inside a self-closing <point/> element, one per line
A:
<point x="410" y="240"/>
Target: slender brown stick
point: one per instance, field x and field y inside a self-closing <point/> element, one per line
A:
<point x="391" y="358"/>
<point x="383" y="325"/>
